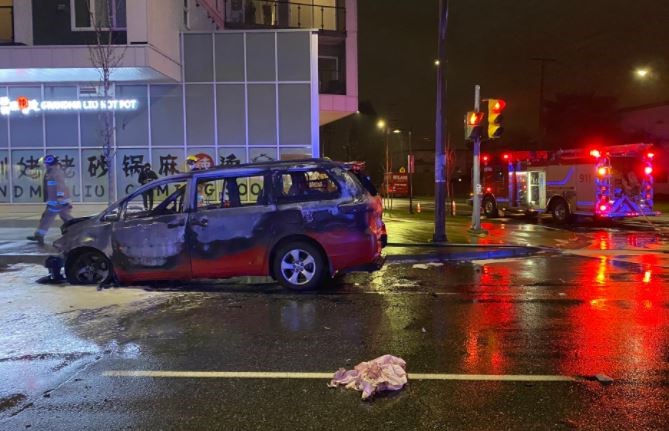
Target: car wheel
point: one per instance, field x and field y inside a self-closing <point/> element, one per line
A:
<point x="490" y="207"/>
<point x="299" y="266"/>
<point x="560" y="212"/>
<point x="88" y="267"/>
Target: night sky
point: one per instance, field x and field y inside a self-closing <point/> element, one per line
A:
<point x="597" y="45"/>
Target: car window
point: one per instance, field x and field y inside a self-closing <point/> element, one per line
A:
<point x="306" y="185"/>
<point x="161" y="199"/>
<point x="231" y="192"/>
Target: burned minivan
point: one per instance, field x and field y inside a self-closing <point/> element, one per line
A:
<point x="300" y="222"/>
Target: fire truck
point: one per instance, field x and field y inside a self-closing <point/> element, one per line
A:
<point x="612" y="182"/>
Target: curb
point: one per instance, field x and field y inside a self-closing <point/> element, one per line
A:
<point x="446" y="256"/>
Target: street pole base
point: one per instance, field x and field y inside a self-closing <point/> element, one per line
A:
<point x="439" y="238"/>
<point x="477" y="232"/>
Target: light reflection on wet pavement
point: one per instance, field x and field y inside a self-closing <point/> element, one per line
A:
<point x="601" y="305"/>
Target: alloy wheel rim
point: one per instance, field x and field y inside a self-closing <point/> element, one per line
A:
<point x="298" y="267"/>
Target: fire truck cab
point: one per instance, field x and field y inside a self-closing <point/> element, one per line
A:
<point x="611" y="182"/>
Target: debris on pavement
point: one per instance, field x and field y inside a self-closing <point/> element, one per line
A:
<point x="427" y="265"/>
<point x="603" y="379"/>
<point x="385" y="373"/>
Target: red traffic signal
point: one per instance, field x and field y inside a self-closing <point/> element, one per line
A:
<point x="473" y="121"/>
<point x="474" y="118"/>
<point x="498" y="106"/>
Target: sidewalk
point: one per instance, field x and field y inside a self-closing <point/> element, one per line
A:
<point x="410" y="237"/>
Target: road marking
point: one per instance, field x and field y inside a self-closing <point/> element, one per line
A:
<point x="297" y="375"/>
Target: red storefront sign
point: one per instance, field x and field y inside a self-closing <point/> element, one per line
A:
<point x="399" y="184"/>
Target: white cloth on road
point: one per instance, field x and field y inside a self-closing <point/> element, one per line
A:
<point x="385" y="373"/>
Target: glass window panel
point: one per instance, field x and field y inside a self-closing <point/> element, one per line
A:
<point x="120" y="14"/>
<point x="294" y="114"/>
<point x="166" y="115"/>
<point x="260" y="57"/>
<point x="4" y="123"/>
<point x="102" y="12"/>
<point x="199" y="114"/>
<point x="26" y="130"/>
<point x="62" y="128"/>
<point x="92" y="126"/>
<point x="231" y="111"/>
<point x="206" y="157"/>
<point x="262" y="114"/>
<point x="293" y="56"/>
<point x="231" y="156"/>
<point x="129" y="164"/>
<point x="168" y="161"/>
<point x="230" y="57"/>
<point x="198" y="58"/>
<point x="132" y="127"/>
<point x="69" y="162"/>
<point x="94" y="176"/>
<point x="262" y="154"/>
<point x="82" y="17"/>
<point x="27" y="176"/>
<point x="5" y="192"/>
<point x="295" y="153"/>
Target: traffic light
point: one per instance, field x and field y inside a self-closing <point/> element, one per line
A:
<point x="473" y="125"/>
<point x="495" y="118"/>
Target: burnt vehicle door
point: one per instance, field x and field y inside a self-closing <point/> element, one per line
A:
<point x="230" y="228"/>
<point x="149" y="243"/>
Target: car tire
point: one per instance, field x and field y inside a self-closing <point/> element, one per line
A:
<point x="88" y="267"/>
<point x="299" y="266"/>
<point x="560" y="212"/>
<point x="489" y="207"/>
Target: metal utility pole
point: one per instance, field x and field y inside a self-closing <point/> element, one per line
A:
<point x="542" y="69"/>
<point x="410" y="169"/>
<point x="440" y="130"/>
<point x="476" y="173"/>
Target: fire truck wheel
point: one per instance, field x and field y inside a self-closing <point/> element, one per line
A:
<point x="490" y="207"/>
<point x="560" y="212"/>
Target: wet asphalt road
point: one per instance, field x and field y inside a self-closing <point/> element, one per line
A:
<point x="599" y="307"/>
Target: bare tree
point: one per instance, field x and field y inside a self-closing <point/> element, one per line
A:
<point x="105" y="57"/>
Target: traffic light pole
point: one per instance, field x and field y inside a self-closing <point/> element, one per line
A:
<point x="476" y="173"/>
<point x="440" y="130"/>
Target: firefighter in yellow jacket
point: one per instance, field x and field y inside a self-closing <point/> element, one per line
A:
<point x="56" y="196"/>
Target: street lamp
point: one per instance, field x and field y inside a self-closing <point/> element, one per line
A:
<point x="642" y="72"/>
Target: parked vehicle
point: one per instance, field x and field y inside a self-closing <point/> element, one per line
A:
<point x="610" y="182"/>
<point x="300" y="222"/>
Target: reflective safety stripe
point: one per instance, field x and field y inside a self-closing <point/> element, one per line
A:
<point x="52" y="203"/>
<point x="60" y="194"/>
<point x="51" y="183"/>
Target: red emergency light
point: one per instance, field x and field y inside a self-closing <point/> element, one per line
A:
<point x="602" y="171"/>
<point x="603" y="207"/>
<point x="648" y="170"/>
<point x="595" y="153"/>
<point x="650" y="155"/>
<point x="485" y="158"/>
<point x="506" y="157"/>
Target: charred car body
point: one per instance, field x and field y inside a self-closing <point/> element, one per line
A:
<point x="299" y="222"/>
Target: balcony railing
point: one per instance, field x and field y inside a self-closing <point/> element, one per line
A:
<point x="6" y="25"/>
<point x="285" y="14"/>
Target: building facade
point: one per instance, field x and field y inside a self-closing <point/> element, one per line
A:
<point x="227" y="81"/>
